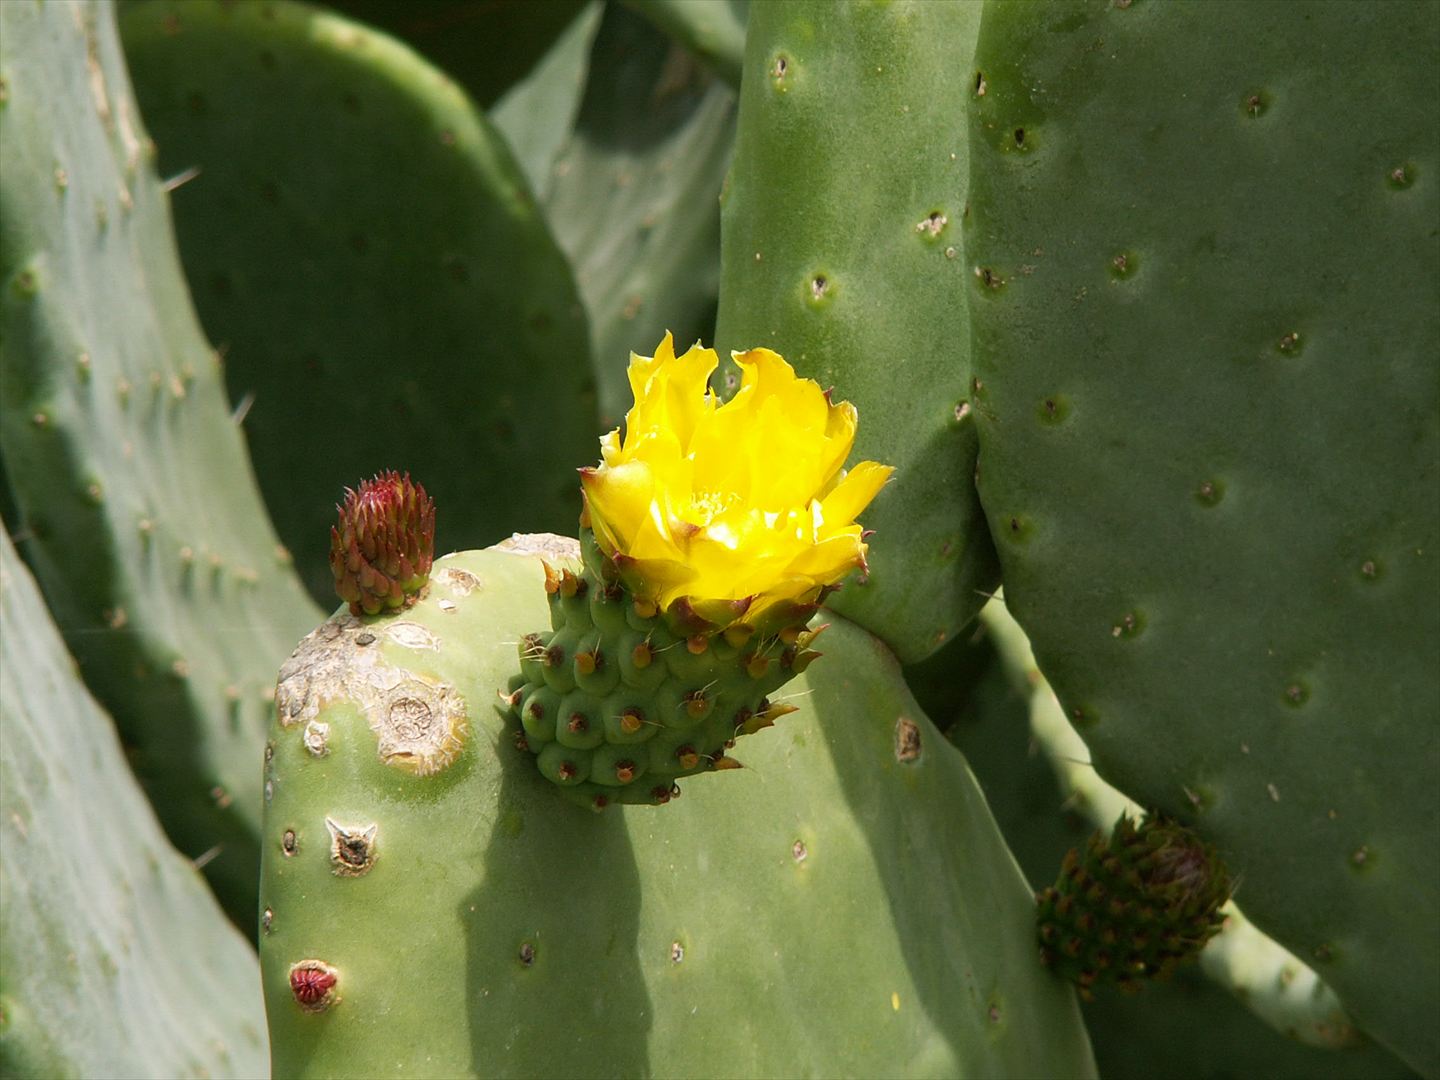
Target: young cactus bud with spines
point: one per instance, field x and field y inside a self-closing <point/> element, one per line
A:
<point x="383" y="545"/>
<point x="1136" y="905"/>
<point x="709" y="536"/>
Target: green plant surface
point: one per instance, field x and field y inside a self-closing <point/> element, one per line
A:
<point x="537" y="114"/>
<point x="841" y="906"/>
<point x="633" y="197"/>
<point x="394" y="298"/>
<point x="1261" y="1011"/>
<point x="110" y="937"/>
<point x="139" y="512"/>
<point x="840" y="250"/>
<point x="486" y="47"/>
<point x="1203" y="291"/>
<point x="713" y="29"/>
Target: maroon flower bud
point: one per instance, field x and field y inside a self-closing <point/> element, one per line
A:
<point x="383" y="545"/>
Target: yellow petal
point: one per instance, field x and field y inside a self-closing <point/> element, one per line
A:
<point x="742" y="507"/>
<point x="855" y="492"/>
<point x="610" y="447"/>
<point x="642" y="369"/>
<point x="660" y="580"/>
<point x="687" y="400"/>
<point x="621" y="497"/>
<point x="830" y="559"/>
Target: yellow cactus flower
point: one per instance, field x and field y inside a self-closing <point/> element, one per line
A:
<point x="737" y="507"/>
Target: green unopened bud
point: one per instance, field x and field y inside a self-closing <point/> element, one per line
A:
<point x="1135" y="905"/>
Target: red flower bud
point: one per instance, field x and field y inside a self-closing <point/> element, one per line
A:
<point x="383" y="545"/>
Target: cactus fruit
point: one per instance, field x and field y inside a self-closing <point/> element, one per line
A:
<point x="709" y="536"/>
<point x="1136" y="905"/>
<point x="842" y="906"/>
<point x="382" y="547"/>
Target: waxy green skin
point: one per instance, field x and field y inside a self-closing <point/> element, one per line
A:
<point x="1260" y="1008"/>
<point x="394" y="276"/>
<point x="633" y="197"/>
<point x="503" y="931"/>
<point x="1202" y="283"/>
<point x="109" y="935"/>
<point x="840" y="250"/>
<point x="140" y="515"/>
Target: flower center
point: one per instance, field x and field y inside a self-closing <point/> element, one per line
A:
<point x="709" y="505"/>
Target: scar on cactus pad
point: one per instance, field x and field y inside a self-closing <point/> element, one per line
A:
<point x="1136" y="905"/>
<point x="383" y="545"/>
<point x="709" y="536"/>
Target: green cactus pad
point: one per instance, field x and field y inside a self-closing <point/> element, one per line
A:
<point x="1262" y="1010"/>
<point x="714" y="29"/>
<point x="114" y="958"/>
<point x="537" y="114"/>
<point x="841" y="251"/>
<point x="1203" y="280"/>
<point x="391" y="296"/>
<point x="138" y="508"/>
<point x="487" y="47"/>
<point x="841" y="906"/>
<point x="633" y="197"/>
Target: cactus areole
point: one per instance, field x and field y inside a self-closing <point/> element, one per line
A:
<point x="709" y="536"/>
<point x="383" y="545"/>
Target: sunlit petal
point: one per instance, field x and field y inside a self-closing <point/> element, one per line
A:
<point x="742" y="507"/>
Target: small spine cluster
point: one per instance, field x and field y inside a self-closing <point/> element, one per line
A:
<point x="1135" y="905"/>
<point x="383" y="544"/>
<point x="619" y="700"/>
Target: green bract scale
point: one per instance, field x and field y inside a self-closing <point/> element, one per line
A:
<point x="1136" y="905"/>
<point x="618" y="701"/>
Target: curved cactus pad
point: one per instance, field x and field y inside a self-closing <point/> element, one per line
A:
<point x="842" y="905"/>
<point x="110" y="939"/>
<point x="840" y="249"/>
<point x="139" y="510"/>
<point x="1203" y="281"/>
<point x="360" y="240"/>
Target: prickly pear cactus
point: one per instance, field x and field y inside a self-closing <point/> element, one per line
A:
<point x="1206" y="344"/>
<point x="1262" y="1009"/>
<point x="710" y="534"/>
<point x="841" y="248"/>
<point x="714" y="29"/>
<point x="1135" y="905"/>
<point x="109" y="935"/>
<point x="633" y="192"/>
<point x="423" y="300"/>
<point x="137" y="505"/>
<point x="474" y="922"/>
<point x="383" y="545"/>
